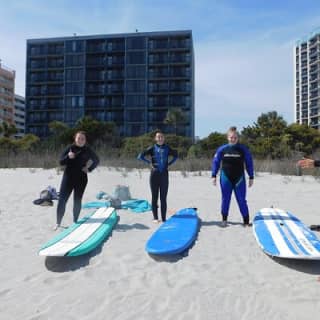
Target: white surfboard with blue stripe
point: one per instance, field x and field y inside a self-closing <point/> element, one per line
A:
<point x="280" y="234"/>
<point x="82" y="236"/>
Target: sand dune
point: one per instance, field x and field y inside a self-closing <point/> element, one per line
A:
<point x="224" y="275"/>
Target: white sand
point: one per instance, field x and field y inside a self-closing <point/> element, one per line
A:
<point x="224" y="276"/>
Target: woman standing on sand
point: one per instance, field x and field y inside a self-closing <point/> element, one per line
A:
<point x="79" y="159"/>
<point x="159" y="178"/>
<point x="233" y="157"/>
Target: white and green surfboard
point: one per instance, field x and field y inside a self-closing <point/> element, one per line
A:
<point x="82" y="236"/>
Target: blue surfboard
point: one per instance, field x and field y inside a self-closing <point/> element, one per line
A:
<point x="82" y="236"/>
<point x="281" y="234"/>
<point x="176" y="234"/>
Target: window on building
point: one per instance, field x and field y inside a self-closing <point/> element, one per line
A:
<point x="74" y="102"/>
<point x="74" y="88"/>
<point x="136" y="43"/>
<point x="136" y="72"/>
<point x="136" y="86"/>
<point x="135" y="100"/>
<point x="74" y="74"/>
<point x="74" y="60"/>
<point x="138" y="57"/>
<point x="75" y="46"/>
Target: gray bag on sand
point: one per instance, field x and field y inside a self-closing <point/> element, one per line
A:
<point x="122" y="193"/>
<point x="115" y="203"/>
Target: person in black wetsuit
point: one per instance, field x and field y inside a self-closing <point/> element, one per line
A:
<point x="79" y="159"/>
<point x="233" y="158"/>
<point x="159" y="179"/>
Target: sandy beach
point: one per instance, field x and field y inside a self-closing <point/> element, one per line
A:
<point x="225" y="275"/>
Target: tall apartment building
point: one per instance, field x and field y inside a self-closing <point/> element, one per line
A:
<point x="131" y="79"/>
<point x="307" y="81"/>
<point x="19" y="115"/>
<point x="7" y="78"/>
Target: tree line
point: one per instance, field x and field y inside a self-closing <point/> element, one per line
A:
<point x="269" y="137"/>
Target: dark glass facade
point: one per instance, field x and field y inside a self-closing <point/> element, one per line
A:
<point x="130" y="79"/>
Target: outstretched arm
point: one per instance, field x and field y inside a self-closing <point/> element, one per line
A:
<point x="308" y="163"/>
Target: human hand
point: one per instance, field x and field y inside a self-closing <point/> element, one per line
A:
<point x="214" y="181"/>
<point x="89" y="163"/>
<point x="250" y="183"/>
<point x="306" y="163"/>
<point x="71" y="154"/>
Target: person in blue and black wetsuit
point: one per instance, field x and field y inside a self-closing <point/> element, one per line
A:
<point x="79" y="159"/>
<point x="233" y="158"/>
<point x="159" y="155"/>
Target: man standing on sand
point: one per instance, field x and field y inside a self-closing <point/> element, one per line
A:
<point x="307" y="163"/>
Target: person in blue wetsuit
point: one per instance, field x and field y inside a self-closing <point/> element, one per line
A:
<point x="233" y="158"/>
<point x="78" y="160"/>
<point x="159" y="155"/>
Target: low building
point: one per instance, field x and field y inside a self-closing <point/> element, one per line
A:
<point x="19" y="115"/>
<point x="7" y="79"/>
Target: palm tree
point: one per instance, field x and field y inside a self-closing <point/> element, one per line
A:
<point x="174" y="117"/>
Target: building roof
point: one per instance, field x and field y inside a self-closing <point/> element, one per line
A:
<point x="116" y="35"/>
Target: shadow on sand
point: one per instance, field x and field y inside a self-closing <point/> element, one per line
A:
<point x="66" y="264"/>
<point x="305" y="266"/>
<point x="218" y="224"/>
<point x="170" y="258"/>
<point x="126" y="227"/>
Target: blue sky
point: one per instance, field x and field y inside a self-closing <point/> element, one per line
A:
<point x="243" y="49"/>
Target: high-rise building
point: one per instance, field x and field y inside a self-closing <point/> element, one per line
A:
<point x="19" y="115"/>
<point x="7" y="78"/>
<point x="307" y="80"/>
<point x="130" y="79"/>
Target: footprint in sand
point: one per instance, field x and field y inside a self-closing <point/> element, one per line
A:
<point x="54" y="280"/>
<point x="30" y="277"/>
<point x="5" y="292"/>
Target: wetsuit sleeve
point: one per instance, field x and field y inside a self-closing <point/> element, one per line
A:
<point x="64" y="159"/>
<point x="317" y="163"/>
<point x="143" y="154"/>
<point x="249" y="162"/>
<point x="174" y="155"/>
<point x="216" y="162"/>
<point x="94" y="158"/>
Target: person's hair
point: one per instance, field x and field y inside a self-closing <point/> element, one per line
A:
<point x="233" y="129"/>
<point x="80" y="132"/>
<point x="157" y="131"/>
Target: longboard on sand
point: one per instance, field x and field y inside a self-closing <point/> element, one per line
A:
<point x="280" y="234"/>
<point x="176" y="234"/>
<point x="82" y="236"/>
